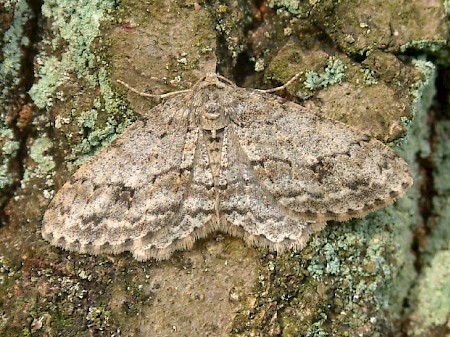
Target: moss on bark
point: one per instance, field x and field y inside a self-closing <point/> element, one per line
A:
<point x="352" y="279"/>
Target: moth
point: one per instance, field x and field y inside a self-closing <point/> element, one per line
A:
<point x="218" y="157"/>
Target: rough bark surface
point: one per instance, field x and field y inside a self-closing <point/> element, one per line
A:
<point x="363" y="63"/>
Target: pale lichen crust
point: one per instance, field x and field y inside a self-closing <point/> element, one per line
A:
<point x="222" y="158"/>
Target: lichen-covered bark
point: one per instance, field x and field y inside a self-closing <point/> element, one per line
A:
<point x="15" y="16"/>
<point x="360" y="62"/>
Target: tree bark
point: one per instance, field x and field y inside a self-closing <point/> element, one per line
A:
<point x="364" y="64"/>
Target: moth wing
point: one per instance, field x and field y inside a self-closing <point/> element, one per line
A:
<point x="316" y="168"/>
<point x="247" y="210"/>
<point x="128" y="197"/>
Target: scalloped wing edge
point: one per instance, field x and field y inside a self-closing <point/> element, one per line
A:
<point x="187" y="242"/>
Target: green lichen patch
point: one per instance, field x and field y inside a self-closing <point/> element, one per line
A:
<point x="15" y="18"/>
<point x="40" y="153"/>
<point x="431" y="307"/>
<point x="76" y="26"/>
<point x="439" y="217"/>
<point x="8" y="151"/>
<point x="84" y="123"/>
<point x="51" y="76"/>
<point x="14" y="40"/>
<point x="437" y="48"/>
<point x="333" y="73"/>
<point x="97" y="124"/>
<point x="295" y="7"/>
<point x="69" y="74"/>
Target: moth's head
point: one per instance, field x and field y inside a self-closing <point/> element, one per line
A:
<point x="210" y="103"/>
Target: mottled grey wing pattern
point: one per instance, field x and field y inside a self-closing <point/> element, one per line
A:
<point x="222" y="158"/>
<point x="194" y="216"/>
<point x="129" y="196"/>
<point x="316" y="168"/>
<point x="248" y="211"/>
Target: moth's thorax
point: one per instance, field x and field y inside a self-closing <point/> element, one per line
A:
<point x="213" y="120"/>
<point x="210" y="106"/>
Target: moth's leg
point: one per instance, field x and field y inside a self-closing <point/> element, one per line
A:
<point x="145" y="94"/>
<point x="284" y="86"/>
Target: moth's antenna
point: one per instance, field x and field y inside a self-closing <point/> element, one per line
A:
<point x="223" y="78"/>
<point x="284" y="86"/>
<point x="145" y="94"/>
